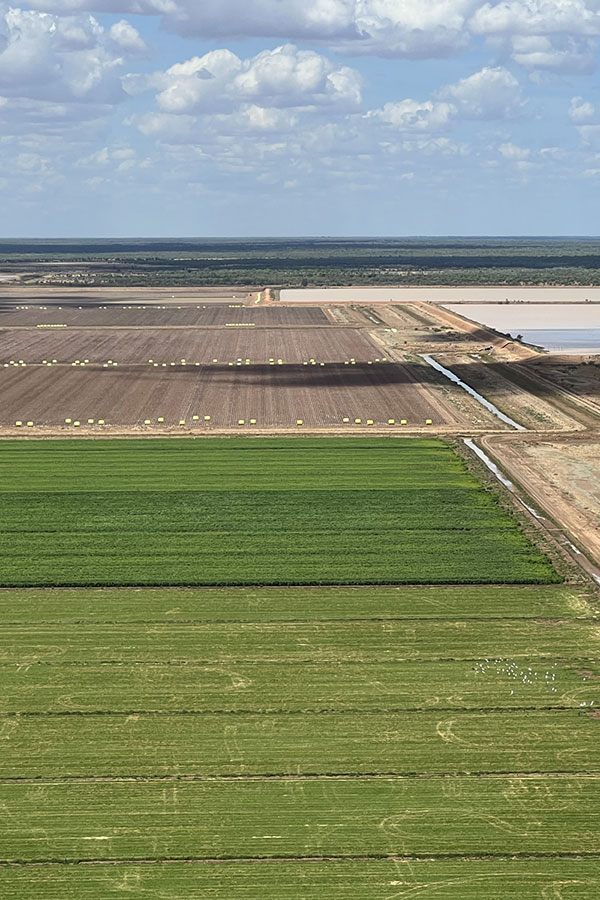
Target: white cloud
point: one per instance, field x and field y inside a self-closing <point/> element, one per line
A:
<point x="559" y="53"/>
<point x="435" y="145"/>
<point x="58" y="58"/>
<point x="590" y="135"/>
<point x="394" y="28"/>
<point x="543" y="35"/>
<point x="127" y="37"/>
<point x="412" y="115"/>
<point x="491" y="94"/>
<point x="513" y="152"/>
<point x="536" y="17"/>
<point x="281" y="78"/>
<point x="581" y="111"/>
<point x="417" y="29"/>
<point x="488" y="94"/>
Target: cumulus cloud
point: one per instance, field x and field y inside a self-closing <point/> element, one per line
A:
<point x="581" y="111"/>
<point x="513" y="152"/>
<point x="280" y="78"/>
<point x="413" y="115"/>
<point x="559" y="53"/>
<point x="416" y="29"/>
<point x="394" y="28"/>
<point x="492" y="93"/>
<point x="127" y="37"/>
<point x="537" y="17"/>
<point x="543" y="35"/>
<point x="60" y="58"/>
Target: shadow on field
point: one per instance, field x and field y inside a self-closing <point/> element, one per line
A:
<point x="317" y="377"/>
<point x="362" y="375"/>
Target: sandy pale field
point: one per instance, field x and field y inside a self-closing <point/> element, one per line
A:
<point x="443" y="295"/>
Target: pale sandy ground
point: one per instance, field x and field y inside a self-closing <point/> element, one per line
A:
<point x="442" y="295"/>
<point x="563" y="475"/>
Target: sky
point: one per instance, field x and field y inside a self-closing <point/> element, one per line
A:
<point x="233" y="118"/>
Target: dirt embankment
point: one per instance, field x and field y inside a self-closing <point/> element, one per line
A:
<point x="507" y="349"/>
<point x="561" y="473"/>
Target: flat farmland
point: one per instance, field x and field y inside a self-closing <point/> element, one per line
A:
<point x="319" y="795"/>
<point x="221" y="367"/>
<point x="275" y="396"/>
<point x="157" y="316"/>
<point x="252" y="511"/>
<point x="434" y="740"/>
<point x="127" y="346"/>
<point x="369" y="879"/>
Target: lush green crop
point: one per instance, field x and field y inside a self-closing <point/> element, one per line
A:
<point x="378" y="742"/>
<point x="442" y="742"/>
<point x="253" y="512"/>
<point x="446" y="879"/>
<point x="283" y="686"/>
<point x="291" y="817"/>
<point x="317" y="642"/>
<point x="274" y="604"/>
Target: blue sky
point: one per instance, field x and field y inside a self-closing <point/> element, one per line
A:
<point x="299" y="117"/>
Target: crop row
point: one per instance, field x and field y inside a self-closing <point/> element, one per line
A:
<point x="203" y="746"/>
<point x="299" y="604"/>
<point x="466" y="816"/>
<point x="450" y="879"/>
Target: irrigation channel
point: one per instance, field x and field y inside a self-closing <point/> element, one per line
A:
<point x="467" y="387"/>
<point x="586" y="564"/>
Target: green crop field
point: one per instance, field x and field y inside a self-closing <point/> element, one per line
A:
<point x="252" y="511"/>
<point x="449" y="879"/>
<point x="384" y="742"/>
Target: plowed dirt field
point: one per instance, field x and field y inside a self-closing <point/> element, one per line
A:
<point x="166" y="345"/>
<point x="273" y="395"/>
<point x="154" y="316"/>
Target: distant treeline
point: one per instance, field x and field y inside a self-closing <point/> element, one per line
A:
<point x="310" y="262"/>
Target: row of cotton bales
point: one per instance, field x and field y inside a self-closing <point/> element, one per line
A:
<point x="76" y="423"/>
<point x="347" y="421"/>
<point x="240" y="361"/>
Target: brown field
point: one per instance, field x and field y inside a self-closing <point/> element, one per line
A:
<point x="274" y="364"/>
<point x="166" y="345"/>
<point x="276" y="396"/>
<point x="157" y="316"/>
<point x="24" y="293"/>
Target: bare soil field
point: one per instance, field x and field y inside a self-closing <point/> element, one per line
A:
<point x="275" y="396"/>
<point x="563" y="475"/>
<point x="264" y="365"/>
<point x="22" y="294"/>
<point x="168" y="345"/>
<point x="157" y="316"/>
